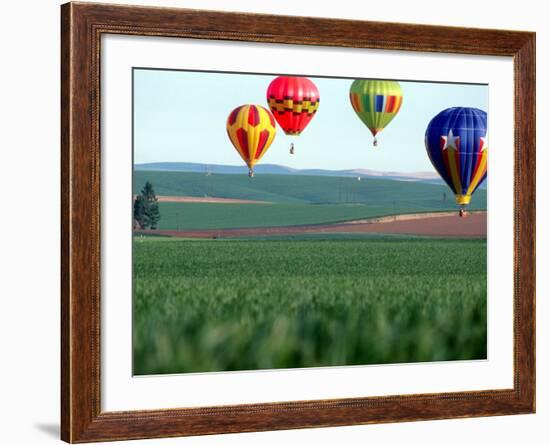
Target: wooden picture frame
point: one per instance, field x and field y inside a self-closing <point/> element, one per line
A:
<point x="82" y="25"/>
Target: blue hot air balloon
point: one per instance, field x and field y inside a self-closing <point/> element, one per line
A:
<point x="456" y="142"/>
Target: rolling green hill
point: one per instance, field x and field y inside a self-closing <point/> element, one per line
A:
<point x="293" y="200"/>
<point x="300" y="189"/>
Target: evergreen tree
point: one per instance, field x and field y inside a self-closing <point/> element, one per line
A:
<point x="152" y="212"/>
<point x="146" y="208"/>
<point x="139" y="212"/>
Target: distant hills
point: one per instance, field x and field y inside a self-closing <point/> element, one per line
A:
<point x="274" y="169"/>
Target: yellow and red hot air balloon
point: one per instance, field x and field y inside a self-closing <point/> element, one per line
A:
<point x="251" y="129"/>
<point x="293" y="101"/>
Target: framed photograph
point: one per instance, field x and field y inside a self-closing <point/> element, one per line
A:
<point x="274" y="222"/>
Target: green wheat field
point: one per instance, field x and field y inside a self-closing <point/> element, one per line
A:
<point x="223" y="305"/>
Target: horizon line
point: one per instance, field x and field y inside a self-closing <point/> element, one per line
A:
<point x="209" y="164"/>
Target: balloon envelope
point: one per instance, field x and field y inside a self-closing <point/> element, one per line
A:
<point x="376" y="102"/>
<point x="293" y="102"/>
<point x="456" y="143"/>
<point x="251" y="129"/>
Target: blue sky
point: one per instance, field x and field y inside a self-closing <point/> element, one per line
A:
<point x="180" y="116"/>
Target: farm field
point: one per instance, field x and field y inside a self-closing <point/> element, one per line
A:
<point x="291" y="199"/>
<point x="222" y="305"/>
<point x="194" y="216"/>
<point x="438" y="225"/>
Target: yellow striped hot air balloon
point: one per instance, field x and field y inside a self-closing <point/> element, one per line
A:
<point x="251" y="129"/>
<point x="376" y="102"/>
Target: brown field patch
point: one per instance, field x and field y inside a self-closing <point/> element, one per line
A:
<point x="208" y="199"/>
